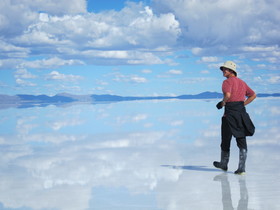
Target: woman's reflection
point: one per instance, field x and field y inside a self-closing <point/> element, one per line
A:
<point x="226" y="192"/>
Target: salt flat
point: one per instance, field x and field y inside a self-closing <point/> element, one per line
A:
<point x="152" y="155"/>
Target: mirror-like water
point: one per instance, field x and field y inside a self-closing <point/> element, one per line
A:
<point x="150" y="155"/>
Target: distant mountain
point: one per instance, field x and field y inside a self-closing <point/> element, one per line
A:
<point x="25" y="101"/>
<point x="204" y="95"/>
<point x="62" y="99"/>
<point x="112" y="98"/>
<point x="80" y="98"/>
<point x="269" y="95"/>
<point x="45" y="99"/>
<point x="9" y="101"/>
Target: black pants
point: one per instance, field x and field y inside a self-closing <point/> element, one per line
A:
<point x="227" y="135"/>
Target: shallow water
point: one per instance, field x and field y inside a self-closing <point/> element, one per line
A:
<point x="150" y="155"/>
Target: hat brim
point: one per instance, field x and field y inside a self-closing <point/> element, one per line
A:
<point x="221" y="68"/>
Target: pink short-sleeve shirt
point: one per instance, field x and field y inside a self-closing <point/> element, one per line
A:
<point x="237" y="88"/>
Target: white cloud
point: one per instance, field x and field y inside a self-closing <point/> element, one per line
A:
<point x="146" y="71"/>
<point x="174" y="71"/>
<point x="24" y="74"/>
<point x="24" y="83"/>
<point x="140" y="117"/>
<point x="169" y="73"/>
<point x="17" y="15"/>
<point x="63" y="33"/>
<point x="260" y="48"/>
<point x="130" y="78"/>
<point x="57" y="125"/>
<point x="53" y="62"/>
<point x="226" y="27"/>
<point x="205" y="72"/>
<point x="54" y="75"/>
<point x="196" y="50"/>
<point x="177" y="123"/>
<point x="10" y="50"/>
<point x="194" y="80"/>
<point x="138" y="79"/>
<point x="214" y="65"/>
<point x="209" y="59"/>
<point x="67" y="30"/>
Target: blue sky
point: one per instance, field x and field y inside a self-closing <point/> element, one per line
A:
<point x="150" y="47"/>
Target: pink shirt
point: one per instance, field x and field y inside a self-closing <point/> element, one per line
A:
<point x="238" y="89"/>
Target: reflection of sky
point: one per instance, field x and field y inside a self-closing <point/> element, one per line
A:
<point x="133" y="155"/>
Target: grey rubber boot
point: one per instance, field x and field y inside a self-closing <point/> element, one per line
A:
<point x="224" y="161"/>
<point x="242" y="161"/>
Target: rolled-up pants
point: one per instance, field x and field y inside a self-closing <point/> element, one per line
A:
<point x="227" y="136"/>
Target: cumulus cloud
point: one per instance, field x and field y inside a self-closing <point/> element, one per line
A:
<point x="147" y="71"/>
<point x="129" y="78"/>
<point x="49" y="35"/>
<point x="54" y="75"/>
<point x="54" y="62"/>
<point x="24" y="83"/>
<point x="170" y="73"/>
<point x="177" y="123"/>
<point x="139" y="34"/>
<point x="17" y="15"/>
<point x="65" y="30"/>
<point x="225" y="27"/>
<point x="10" y="50"/>
<point x="205" y="72"/>
<point x="208" y="59"/>
<point x="195" y="80"/>
<point x="57" y="125"/>
<point x="175" y="71"/>
<point x="24" y="74"/>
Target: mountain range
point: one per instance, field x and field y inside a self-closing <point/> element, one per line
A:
<point x="25" y="101"/>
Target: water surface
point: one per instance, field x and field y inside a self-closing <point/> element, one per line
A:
<point x="149" y="155"/>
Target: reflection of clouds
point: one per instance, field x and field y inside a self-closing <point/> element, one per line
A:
<point x="268" y="107"/>
<point x="139" y="117"/>
<point x="177" y="123"/>
<point x="275" y="110"/>
<point x="129" y="160"/>
<point x="24" y="125"/>
<point x="10" y="152"/>
<point x="41" y="168"/>
<point x="267" y="122"/>
<point x="130" y="119"/>
<point x="212" y="131"/>
<point x="41" y="139"/>
<point x="20" y="190"/>
<point x="2" y="140"/>
<point x="52" y="138"/>
<point x="148" y="125"/>
<point x="266" y="136"/>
